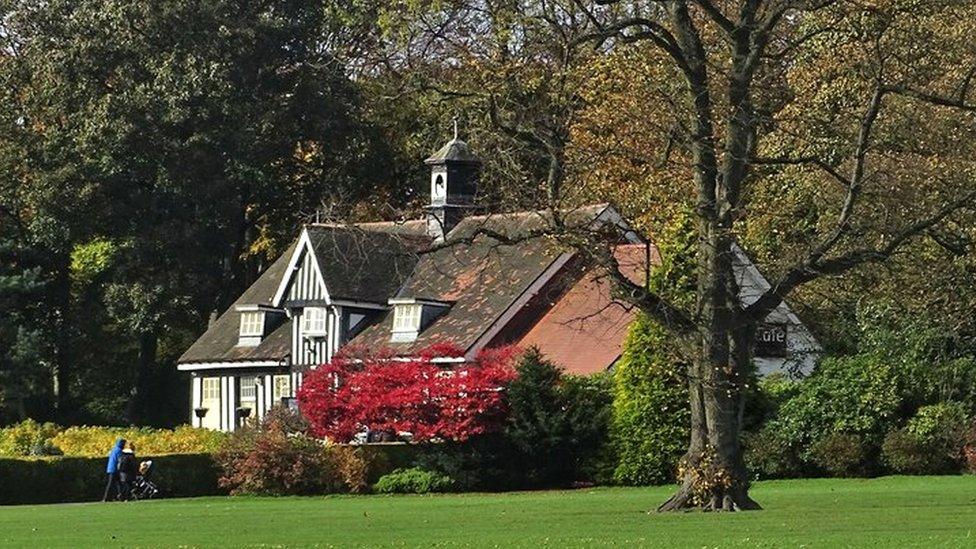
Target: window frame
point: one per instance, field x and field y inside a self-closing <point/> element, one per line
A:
<point x="276" y="394"/>
<point x="317" y="326"/>
<point x="407" y="317"/>
<point x="210" y="389"/>
<point x="252" y="324"/>
<point x="253" y="386"/>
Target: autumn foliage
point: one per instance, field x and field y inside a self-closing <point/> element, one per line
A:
<point x="360" y="390"/>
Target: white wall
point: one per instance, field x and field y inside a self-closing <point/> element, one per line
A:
<point x="803" y="349"/>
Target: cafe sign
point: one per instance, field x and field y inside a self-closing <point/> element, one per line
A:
<point x="771" y="340"/>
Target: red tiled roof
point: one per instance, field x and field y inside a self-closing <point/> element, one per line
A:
<point x="585" y="330"/>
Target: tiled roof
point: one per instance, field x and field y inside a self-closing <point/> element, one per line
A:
<point x="364" y="265"/>
<point x="219" y="342"/>
<point x="585" y="329"/>
<point x="455" y="151"/>
<point x="480" y="276"/>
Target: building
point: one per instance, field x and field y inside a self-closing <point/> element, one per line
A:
<point x="367" y="284"/>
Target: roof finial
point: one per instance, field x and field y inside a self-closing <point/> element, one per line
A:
<point x="455" y="127"/>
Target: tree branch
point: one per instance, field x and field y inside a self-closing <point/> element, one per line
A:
<point x="812" y="268"/>
<point x="717" y="17"/>
<point x="803" y="160"/>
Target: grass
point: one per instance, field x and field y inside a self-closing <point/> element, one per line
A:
<point x="885" y="512"/>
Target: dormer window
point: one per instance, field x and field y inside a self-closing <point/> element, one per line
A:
<point x="406" y="317"/>
<point x="252" y="324"/>
<point x="256" y="322"/>
<point x="411" y="316"/>
<point x="314" y="321"/>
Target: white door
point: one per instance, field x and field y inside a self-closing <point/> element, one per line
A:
<point x="281" y="389"/>
<point x="249" y="399"/>
<point x="211" y="401"/>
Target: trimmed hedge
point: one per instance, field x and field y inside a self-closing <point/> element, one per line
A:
<point x="30" y="438"/>
<point x="74" y="479"/>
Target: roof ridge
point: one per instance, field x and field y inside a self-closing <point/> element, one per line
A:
<point x="597" y="206"/>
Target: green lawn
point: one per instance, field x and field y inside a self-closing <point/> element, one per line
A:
<point x="887" y="512"/>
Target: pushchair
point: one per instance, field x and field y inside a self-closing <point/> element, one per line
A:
<point x="143" y="487"/>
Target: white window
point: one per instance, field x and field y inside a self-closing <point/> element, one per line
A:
<point x="249" y="392"/>
<point x="281" y="388"/>
<point x="313" y="321"/>
<point x="252" y="324"/>
<point x="406" y="318"/>
<point x="211" y="389"/>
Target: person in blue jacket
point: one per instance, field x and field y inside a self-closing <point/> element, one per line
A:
<point x="113" y="487"/>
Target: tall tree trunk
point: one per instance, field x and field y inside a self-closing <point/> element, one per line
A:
<point x="138" y="406"/>
<point x="712" y="473"/>
<point x="62" y="330"/>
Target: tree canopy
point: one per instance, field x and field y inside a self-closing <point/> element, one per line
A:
<point x="155" y="156"/>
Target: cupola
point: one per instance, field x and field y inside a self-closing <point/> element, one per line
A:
<point x="454" y="173"/>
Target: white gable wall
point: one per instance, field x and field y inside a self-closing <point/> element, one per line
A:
<point x="802" y="347"/>
<point x="306" y="288"/>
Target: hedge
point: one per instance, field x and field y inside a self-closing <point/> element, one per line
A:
<point x="74" y="479"/>
<point x="30" y="438"/>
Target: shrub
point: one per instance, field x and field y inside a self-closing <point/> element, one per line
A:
<point x="840" y="455"/>
<point x="933" y="442"/>
<point x="904" y="453"/>
<point x="765" y="396"/>
<point x="272" y="460"/>
<point x="557" y="424"/>
<point x="413" y="481"/>
<point x="769" y="456"/>
<point x="369" y="391"/>
<point x="352" y="465"/>
<point x="32" y="438"/>
<point x="487" y="462"/>
<point x="969" y="449"/>
<point x="941" y="425"/>
<point x="29" y="438"/>
<point x="857" y="395"/>
<point x="97" y="441"/>
<point x="277" y="464"/>
<point x="650" y="424"/>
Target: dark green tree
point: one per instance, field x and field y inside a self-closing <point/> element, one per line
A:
<point x="191" y="136"/>
<point x="557" y="424"/>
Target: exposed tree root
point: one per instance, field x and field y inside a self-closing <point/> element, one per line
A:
<point x="725" y="500"/>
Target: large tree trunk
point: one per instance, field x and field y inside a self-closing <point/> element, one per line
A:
<point x="138" y="408"/>
<point x="712" y="473"/>
<point x="60" y="369"/>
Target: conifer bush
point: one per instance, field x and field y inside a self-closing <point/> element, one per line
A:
<point x="650" y="428"/>
<point x="557" y="424"/>
<point x="650" y="425"/>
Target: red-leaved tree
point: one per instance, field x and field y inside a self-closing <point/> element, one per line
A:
<point x="378" y="391"/>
